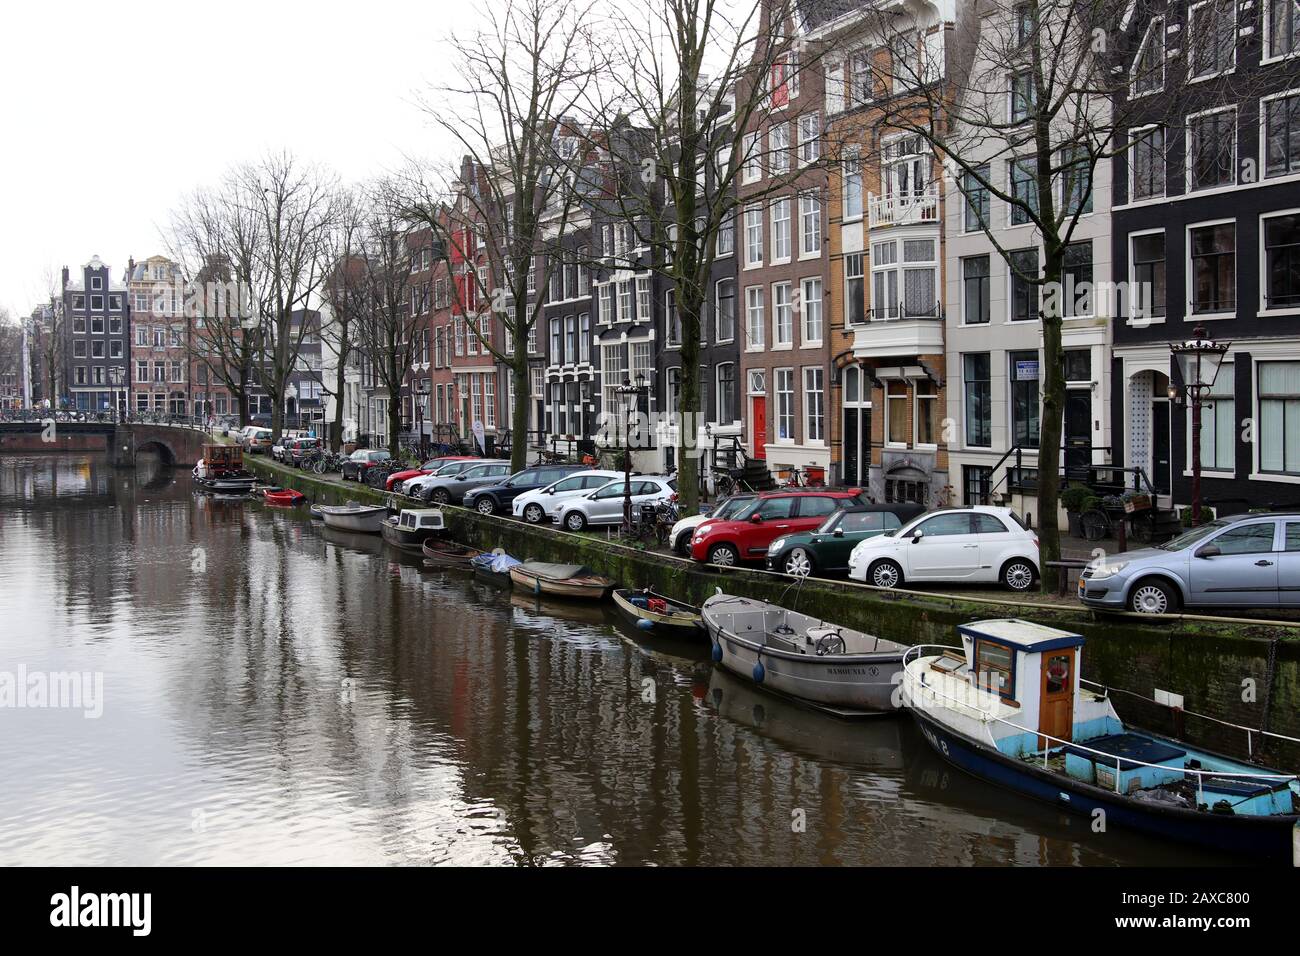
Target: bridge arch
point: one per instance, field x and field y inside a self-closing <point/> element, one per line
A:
<point x="164" y="450"/>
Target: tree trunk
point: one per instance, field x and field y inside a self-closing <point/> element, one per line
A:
<point x="1049" y="436"/>
<point x="394" y="420"/>
<point x="519" y="413"/>
<point x="688" y="484"/>
<point x="340" y="383"/>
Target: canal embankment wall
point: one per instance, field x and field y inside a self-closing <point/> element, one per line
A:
<point x="1246" y="673"/>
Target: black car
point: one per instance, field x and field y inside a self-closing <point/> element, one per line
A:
<point x="826" y="550"/>
<point x="356" y="464"/>
<point x="492" y="499"/>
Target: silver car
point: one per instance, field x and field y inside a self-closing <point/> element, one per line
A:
<point x="1245" y="561"/>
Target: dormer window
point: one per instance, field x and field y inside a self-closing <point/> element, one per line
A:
<point x="97" y="282"/>
<point x="1149" y="67"/>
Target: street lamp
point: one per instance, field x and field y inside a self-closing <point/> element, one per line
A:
<point x="1198" y="361"/>
<point x="115" y="376"/>
<point x="422" y="395"/>
<point x="636" y="391"/>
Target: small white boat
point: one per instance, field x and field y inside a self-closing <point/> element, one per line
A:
<point x="833" y="668"/>
<point x="409" y="529"/>
<point x="368" y="519"/>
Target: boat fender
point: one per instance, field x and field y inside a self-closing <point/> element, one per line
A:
<point x="717" y="653"/>
<point x="644" y="624"/>
<point x="759" y="672"/>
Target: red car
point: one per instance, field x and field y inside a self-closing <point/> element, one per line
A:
<point x="775" y="513"/>
<point x="427" y="468"/>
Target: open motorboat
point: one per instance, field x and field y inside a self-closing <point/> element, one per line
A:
<point x="560" y="580"/>
<point x="283" y="496"/>
<point x="367" y="519"/>
<point x="410" y="528"/>
<point x="657" y="614"/>
<point x="842" y="671"/>
<point x="447" y="554"/>
<point x="1009" y="706"/>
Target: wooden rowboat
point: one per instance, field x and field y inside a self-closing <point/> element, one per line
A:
<point x="560" y="580"/>
<point x="675" y="619"/>
<point x="448" y="554"/>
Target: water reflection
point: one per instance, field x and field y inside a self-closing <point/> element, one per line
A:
<point x="280" y="693"/>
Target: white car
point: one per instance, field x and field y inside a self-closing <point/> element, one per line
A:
<point x="979" y="545"/>
<point x="679" y="538"/>
<point x="605" y="504"/>
<point x="541" y="504"/>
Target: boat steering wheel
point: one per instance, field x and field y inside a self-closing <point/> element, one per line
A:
<point x="829" y="644"/>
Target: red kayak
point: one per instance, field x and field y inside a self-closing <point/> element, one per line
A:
<point x="283" y="496"/>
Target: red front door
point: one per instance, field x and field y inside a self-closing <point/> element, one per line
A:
<point x="760" y="426"/>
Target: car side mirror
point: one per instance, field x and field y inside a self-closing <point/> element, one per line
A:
<point x="917" y="535"/>
<point x="838" y="533"/>
<point x="1209" y="551"/>
<point x="756" y="518"/>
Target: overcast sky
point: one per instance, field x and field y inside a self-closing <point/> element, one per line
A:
<point x="109" y="113"/>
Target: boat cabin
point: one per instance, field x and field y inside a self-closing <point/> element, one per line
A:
<point x="421" y="519"/>
<point x="1018" y="687"/>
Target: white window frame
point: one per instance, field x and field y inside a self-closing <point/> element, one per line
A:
<point x="1155" y="28"/>
<point x="1266" y="7"/>
<point x="1263" y="131"/>
<point x="777" y="308"/>
<point x="785" y="203"/>
<point x="1187" y="150"/>
<point x="1130" y="319"/>
<point x="820" y="373"/>
<point x="753" y="219"/>
<point x="788" y="375"/>
<point x="755" y="318"/>
<point x="807" y="215"/>
<point x="1134" y="134"/>
<point x="806" y="339"/>
<point x="1190" y="39"/>
<point x="1263" y="263"/>
<point x="1189" y="278"/>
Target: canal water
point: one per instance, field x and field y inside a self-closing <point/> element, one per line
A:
<point x="259" y="691"/>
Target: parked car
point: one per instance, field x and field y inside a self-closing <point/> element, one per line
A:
<point x="977" y="545"/>
<point x="452" y="488"/>
<point x="747" y="536"/>
<point x="679" y="538"/>
<point x="1242" y="561"/>
<point x="427" y="468"/>
<point x="288" y="442"/>
<point x="362" y="460"/>
<point x="826" y="550"/>
<point x="605" y="505"/>
<point x="414" y="487"/>
<point x="256" y="440"/>
<point x="495" y="498"/>
<point x="540" y="504"/>
<point x="303" y="448"/>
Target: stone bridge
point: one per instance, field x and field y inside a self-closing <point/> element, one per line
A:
<point x="176" y="445"/>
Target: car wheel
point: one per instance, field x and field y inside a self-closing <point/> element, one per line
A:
<point x="1018" y="575"/>
<point x="486" y="506"/>
<point x="1153" y="596"/>
<point x="799" y="562"/>
<point x="575" y="521"/>
<point x="534" y="514"/>
<point x="439" y="496"/>
<point x="683" y="546"/>
<point x="885" y="574"/>
<point x="724" y="555"/>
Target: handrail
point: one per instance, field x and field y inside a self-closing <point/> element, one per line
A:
<point x="986" y="717"/>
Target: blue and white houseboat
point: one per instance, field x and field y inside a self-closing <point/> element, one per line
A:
<point x="1009" y="706"/>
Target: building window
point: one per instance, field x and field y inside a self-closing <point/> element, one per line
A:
<point x="79" y="349"/>
<point x="727" y="392"/>
<point x="1076" y="280"/>
<point x="1279" y="417"/>
<point x="1022" y="96"/>
<point x="1023" y="269"/>
<point x="673" y="390"/>
<point x="782" y="315"/>
<point x="605" y="305"/>
<point x="1023" y="368"/>
<point x="643" y="298"/>
<point x="1149" y="66"/>
<point x="897" y="427"/>
<point x="854" y="290"/>
<point x="751" y="170"/>
<point x="570" y="339"/>
<point x="785" y="404"/>
<point x="1211" y="149"/>
<point x="725" y="310"/>
<point x="780" y="230"/>
<point x="809" y="138"/>
<point x="1024" y="190"/>
<point x="755" y="318"/>
<point x="927" y="415"/>
<point x="1214" y="268"/>
<point x="810" y="302"/>
<point x="1148" y="293"/>
<point x="557" y="351"/>
<point x="1282" y="262"/>
<point x="814" y="404"/>
<point x="1213" y="30"/>
<point x="613" y="373"/>
<point x="852" y="185"/>
<point x="778" y="144"/>
<point x="1282" y="135"/>
<point x="672" y="321"/>
<point x="1282" y="28"/>
<point x="1219" y="423"/>
<point x="1147" y="163"/>
<point x="753" y="235"/>
<point x="884" y="281"/>
<point x="975" y="273"/>
<point x="727" y="235"/>
<point x="810" y="224"/>
<point x="1076" y="181"/>
<point x="975" y="214"/>
<point x="977" y="382"/>
<point x="584" y="338"/>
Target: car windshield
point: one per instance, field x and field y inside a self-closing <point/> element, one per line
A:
<point x="832" y="519"/>
<point x="1189" y="538"/>
<point x="730" y="509"/>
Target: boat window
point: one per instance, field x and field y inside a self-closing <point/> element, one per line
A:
<point x="1057" y="673"/>
<point x="993" y="668"/>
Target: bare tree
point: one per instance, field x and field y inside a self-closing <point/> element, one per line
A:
<point x="690" y="82"/>
<point x="344" y="293"/>
<point x="498" y="213"/>
<point x="387" y="324"/>
<point x="11" y="349"/>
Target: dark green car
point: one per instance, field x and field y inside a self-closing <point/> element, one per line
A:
<point x="826" y="550"/>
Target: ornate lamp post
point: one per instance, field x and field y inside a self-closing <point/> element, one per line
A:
<point x="1198" y="361"/>
<point x="636" y="391"/>
<point x="421" y="396"/>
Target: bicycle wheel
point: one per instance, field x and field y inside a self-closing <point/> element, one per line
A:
<point x="1094" y="524"/>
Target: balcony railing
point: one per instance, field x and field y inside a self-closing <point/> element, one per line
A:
<point x="900" y="312"/>
<point x="904" y="208"/>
